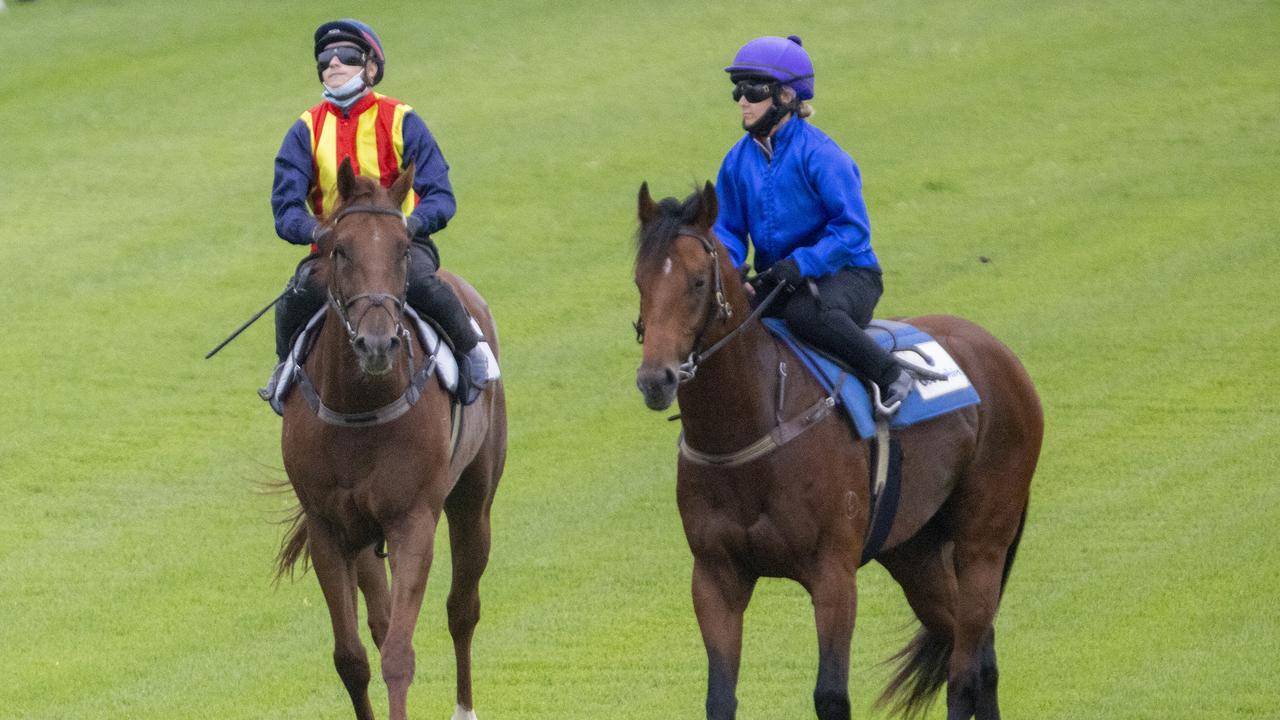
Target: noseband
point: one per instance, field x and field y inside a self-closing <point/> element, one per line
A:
<point x="343" y="305"/>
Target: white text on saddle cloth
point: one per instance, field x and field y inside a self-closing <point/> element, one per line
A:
<point x="933" y="357"/>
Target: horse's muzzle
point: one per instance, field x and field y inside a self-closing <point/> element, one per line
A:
<point x="658" y="385"/>
<point x="376" y="354"/>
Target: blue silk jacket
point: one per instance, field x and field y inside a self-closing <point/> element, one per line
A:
<point x="804" y="203"/>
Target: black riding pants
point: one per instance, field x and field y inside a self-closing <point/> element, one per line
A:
<point x="833" y="320"/>
<point x="427" y="293"/>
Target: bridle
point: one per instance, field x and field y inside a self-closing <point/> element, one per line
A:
<point x="342" y="305"/>
<point x="689" y="368"/>
<point x="786" y="431"/>
<point x="417" y="378"/>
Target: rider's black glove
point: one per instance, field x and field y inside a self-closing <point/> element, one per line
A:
<point x="415" y="227"/>
<point x="784" y="272"/>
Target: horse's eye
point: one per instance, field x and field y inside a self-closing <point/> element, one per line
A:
<point x="700" y="282"/>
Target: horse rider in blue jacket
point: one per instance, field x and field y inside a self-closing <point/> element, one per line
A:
<point x="789" y="190"/>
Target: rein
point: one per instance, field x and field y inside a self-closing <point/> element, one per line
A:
<point x="689" y="368"/>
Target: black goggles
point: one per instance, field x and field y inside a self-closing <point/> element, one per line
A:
<point x="753" y="91"/>
<point x="346" y="55"/>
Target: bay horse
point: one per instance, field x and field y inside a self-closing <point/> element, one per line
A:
<point x="801" y="511"/>
<point x="360" y="482"/>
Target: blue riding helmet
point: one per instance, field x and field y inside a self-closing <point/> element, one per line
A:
<point x="356" y="32"/>
<point x="783" y="59"/>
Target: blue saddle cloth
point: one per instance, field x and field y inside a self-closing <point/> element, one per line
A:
<point x="928" y="399"/>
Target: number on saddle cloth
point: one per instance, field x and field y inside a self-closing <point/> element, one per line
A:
<point x="912" y="347"/>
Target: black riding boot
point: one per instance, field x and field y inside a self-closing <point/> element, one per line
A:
<point x="433" y="297"/>
<point x="835" y="332"/>
<point x="832" y="319"/>
<point x="293" y="310"/>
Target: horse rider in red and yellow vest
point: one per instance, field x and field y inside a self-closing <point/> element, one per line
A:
<point x="379" y="134"/>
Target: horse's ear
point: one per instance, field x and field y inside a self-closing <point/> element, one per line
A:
<point x="399" y="189"/>
<point x="346" y="179"/>
<point x="709" y="206"/>
<point x="648" y="211"/>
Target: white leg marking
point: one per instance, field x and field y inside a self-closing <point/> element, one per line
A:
<point x="463" y="714"/>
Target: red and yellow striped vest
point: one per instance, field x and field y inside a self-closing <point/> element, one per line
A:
<point x="372" y="135"/>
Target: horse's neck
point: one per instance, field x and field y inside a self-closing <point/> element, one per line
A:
<point x="340" y="382"/>
<point x="732" y="401"/>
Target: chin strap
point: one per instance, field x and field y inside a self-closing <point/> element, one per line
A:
<point x="765" y="125"/>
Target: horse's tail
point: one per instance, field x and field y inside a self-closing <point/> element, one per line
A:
<point x="294" y="546"/>
<point x="922" y="664"/>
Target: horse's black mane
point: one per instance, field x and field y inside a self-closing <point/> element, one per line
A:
<point x="654" y="240"/>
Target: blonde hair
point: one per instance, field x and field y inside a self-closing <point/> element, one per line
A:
<point x="806" y="110"/>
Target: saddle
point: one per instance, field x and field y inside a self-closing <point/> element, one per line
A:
<point x="914" y="348"/>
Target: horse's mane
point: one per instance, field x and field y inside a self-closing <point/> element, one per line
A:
<point x="653" y="241"/>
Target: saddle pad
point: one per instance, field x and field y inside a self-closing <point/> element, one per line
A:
<point x="928" y="399"/>
<point x="446" y="363"/>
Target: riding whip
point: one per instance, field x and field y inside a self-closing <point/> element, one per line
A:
<point x="251" y="321"/>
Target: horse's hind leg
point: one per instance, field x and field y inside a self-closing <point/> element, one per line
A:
<point x="467" y="508"/>
<point x="922" y="566"/>
<point x="371" y="574"/>
<point x="337" y="576"/>
<point x="987" y="525"/>
<point x="971" y="686"/>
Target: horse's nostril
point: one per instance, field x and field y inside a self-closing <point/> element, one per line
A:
<point x="393" y="344"/>
<point x="669" y="374"/>
<point x="360" y="344"/>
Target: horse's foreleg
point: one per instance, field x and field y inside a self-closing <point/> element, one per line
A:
<point x="835" y="601"/>
<point x="721" y="592"/>
<point x="371" y="574"/>
<point x="468" y="512"/>
<point x="411" y="542"/>
<point x="337" y="576"/>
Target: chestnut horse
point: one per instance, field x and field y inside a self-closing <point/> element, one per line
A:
<point x="361" y="481"/>
<point x="801" y="511"/>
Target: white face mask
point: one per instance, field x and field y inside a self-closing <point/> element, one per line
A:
<point x="350" y="91"/>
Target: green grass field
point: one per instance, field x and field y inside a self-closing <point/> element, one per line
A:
<point x="1116" y="162"/>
